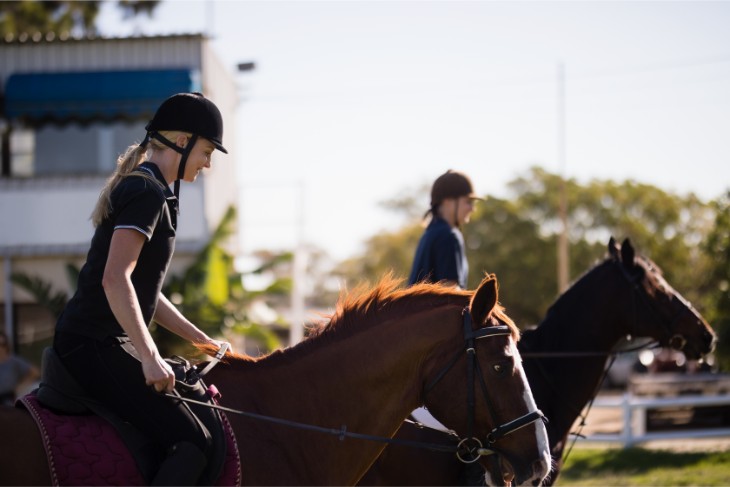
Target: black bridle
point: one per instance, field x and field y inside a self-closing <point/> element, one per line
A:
<point x="471" y="446"/>
<point x="638" y="294"/>
<point x="674" y="340"/>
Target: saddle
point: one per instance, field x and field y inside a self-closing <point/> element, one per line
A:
<point x="60" y="406"/>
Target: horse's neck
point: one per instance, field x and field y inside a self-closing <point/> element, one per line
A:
<point x="593" y="315"/>
<point x="320" y="383"/>
<point x="367" y="382"/>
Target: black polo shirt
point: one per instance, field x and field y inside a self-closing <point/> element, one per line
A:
<point x="149" y="208"/>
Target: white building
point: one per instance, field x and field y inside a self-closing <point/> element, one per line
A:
<point x="69" y="108"/>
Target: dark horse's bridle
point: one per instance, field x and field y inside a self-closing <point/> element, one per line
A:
<point x="674" y="340"/>
<point x="638" y="293"/>
<point x="471" y="448"/>
<point x="470" y="445"/>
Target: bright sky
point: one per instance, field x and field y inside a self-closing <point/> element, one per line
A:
<point x="353" y="103"/>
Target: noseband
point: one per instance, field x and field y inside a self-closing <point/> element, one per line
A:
<point x="471" y="448"/>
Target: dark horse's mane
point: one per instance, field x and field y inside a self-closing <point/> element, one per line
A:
<point x="642" y="264"/>
<point x="567" y="297"/>
<point x="356" y="310"/>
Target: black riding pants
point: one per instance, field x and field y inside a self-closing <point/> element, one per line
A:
<point x="114" y="377"/>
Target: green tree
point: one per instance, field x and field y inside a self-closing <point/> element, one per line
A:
<point x="210" y="293"/>
<point x="43" y="292"/>
<point x="516" y="238"/>
<point x="666" y="227"/>
<point x="61" y="18"/>
<point x="384" y="253"/>
<point x="717" y="247"/>
<point x="502" y="238"/>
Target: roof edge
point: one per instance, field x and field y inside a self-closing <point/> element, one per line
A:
<point x="52" y="38"/>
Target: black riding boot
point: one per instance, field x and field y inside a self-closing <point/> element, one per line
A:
<point x="183" y="465"/>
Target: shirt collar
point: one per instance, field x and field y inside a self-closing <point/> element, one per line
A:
<point x="152" y="169"/>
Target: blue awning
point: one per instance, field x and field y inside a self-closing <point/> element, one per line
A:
<point x="93" y="95"/>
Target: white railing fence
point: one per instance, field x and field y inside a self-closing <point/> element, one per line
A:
<point x="634" y="418"/>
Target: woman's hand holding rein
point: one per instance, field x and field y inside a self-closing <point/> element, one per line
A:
<point x="158" y="374"/>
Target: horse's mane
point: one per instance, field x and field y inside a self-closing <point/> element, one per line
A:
<point x="566" y="297"/>
<point x="500" y="314"/>
<point x="641" y="263"/>
<point x="211" y="350"/>
<point x="365" y="303"/>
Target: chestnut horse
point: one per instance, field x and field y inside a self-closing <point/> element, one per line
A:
<point x="384" y="352"/>
<point x="566" y="355"/>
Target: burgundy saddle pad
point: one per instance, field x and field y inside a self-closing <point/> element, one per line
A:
<point x="87" y="450"/>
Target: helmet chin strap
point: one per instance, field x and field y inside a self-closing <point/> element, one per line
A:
<point x="184" y="153"/>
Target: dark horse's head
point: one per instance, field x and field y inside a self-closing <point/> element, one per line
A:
<point x="659" y="310"/>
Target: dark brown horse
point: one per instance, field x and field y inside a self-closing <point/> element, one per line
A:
<point x="565" y="357"/>
<point x="384" y="352"/>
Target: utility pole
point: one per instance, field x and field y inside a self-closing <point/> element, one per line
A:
<point x="563" y="257"/>
<point x="299" y="271"/>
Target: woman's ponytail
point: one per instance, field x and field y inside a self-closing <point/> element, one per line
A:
<point x="132" y="157"/>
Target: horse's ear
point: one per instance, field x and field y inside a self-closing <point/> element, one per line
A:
<point x="627" y="253"/>
<point x="484" y="299"/>
<point x="613" y="248"/>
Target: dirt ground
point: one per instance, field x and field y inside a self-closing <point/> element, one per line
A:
<point x="609" y="421"/>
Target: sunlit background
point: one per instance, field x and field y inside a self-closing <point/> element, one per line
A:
<point x="579" y="121"/>
<point x="352" y="103"/>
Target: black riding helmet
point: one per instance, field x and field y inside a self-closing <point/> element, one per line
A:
<point x="451" y="184"/>
<point x="186" y="112"/>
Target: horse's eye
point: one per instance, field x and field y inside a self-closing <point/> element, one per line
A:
<point x="502" y="368"/>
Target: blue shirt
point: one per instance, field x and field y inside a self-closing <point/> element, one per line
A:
<point x="440" y="255"/>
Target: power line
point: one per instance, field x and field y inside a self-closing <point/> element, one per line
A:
<point x="411" y="87"/>
<point x="648" y="68"/>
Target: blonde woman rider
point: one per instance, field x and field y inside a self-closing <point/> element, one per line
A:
<point x="102" y="336"/>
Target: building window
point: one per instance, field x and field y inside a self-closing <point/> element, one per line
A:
<point x="71" y="149"/>
<point x="22" y="144"/>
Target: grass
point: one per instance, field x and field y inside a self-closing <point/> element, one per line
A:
<point x="638" y="466"/>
